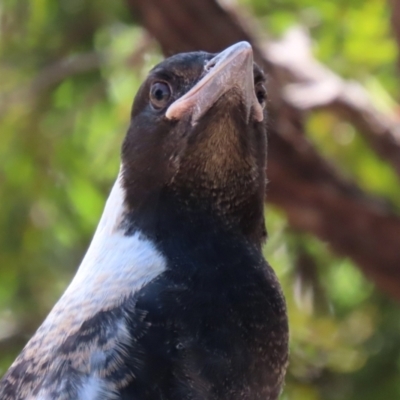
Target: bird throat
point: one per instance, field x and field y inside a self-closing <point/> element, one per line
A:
<point x="217" y="182"/>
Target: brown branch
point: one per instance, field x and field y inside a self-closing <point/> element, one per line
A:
<point x="317" y="200"/>
<point x="61" y="70"/>
<point x="315" y="197"/>
<point x="49" y="76"/>
<point x="313" y="86"/>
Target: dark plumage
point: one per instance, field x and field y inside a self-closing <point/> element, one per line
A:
<point x="174" y="299"/>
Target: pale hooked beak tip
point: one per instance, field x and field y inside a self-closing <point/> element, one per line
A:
<point x="232" y="68"/>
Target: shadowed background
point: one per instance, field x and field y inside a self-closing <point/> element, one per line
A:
<point x="68" y="74"/>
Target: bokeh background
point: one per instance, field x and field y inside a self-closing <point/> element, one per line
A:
<point x="68" y="72"/>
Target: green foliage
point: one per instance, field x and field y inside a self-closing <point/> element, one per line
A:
<point x="339" y="334"/>
<point x="59" y="152"/>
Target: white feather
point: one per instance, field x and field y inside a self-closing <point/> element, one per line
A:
<point x="94" y="388"/>
<point x="114" y="267"/>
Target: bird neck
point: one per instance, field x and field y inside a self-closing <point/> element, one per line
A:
<point x="178" y="213"/>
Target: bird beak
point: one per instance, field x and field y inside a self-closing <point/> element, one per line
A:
<point x="230" y="69"/>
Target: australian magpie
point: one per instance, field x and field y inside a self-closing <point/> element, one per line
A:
<point x="174" y="300"/>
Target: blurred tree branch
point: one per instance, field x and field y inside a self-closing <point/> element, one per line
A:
<point x="60" y="70"/>
<point x="313" y="86"/>
<point x="50" y="76"/>
<point x="315" y="197"/>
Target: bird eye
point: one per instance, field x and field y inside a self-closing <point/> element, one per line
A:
<point x="160" y="93"/>
<point x="261" y="93"/>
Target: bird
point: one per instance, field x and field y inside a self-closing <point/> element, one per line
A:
<point x="174" y="299"/>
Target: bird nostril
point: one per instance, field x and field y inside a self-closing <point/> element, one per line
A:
<point x="210" y="65"/>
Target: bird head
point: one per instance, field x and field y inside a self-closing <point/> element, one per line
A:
<point x="198" y="138"/>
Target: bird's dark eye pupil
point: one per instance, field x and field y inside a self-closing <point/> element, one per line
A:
<point x="261" y="93"/>
<point x="160" y="93"/>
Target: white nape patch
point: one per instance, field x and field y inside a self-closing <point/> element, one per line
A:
<point x="114" y="267"/>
